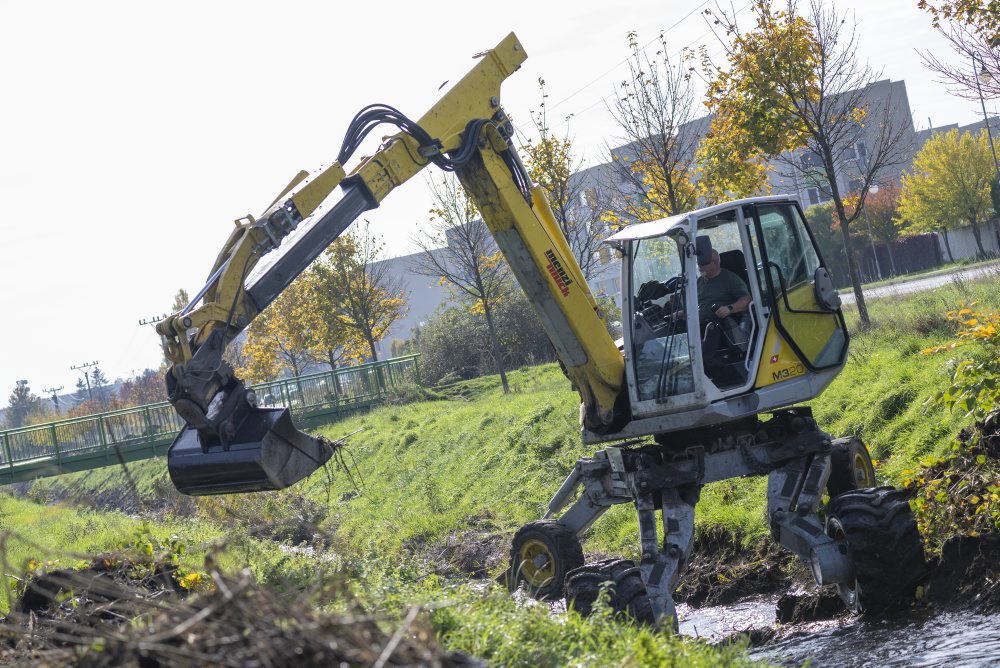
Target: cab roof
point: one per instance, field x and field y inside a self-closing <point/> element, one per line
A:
<point x="658" y="228"/>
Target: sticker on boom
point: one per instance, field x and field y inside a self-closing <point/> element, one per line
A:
<point x="558" y="274"/>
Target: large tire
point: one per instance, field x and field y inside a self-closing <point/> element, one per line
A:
<point x="541" y="555"/>
<point x="850" y="467"/>
<point x="883" y="543"/>
<point x="623" y="582"/>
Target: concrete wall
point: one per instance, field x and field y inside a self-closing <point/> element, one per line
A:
<point x="963" y="243"/>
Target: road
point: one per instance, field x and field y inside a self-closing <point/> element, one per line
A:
<point x="928" y="283"/>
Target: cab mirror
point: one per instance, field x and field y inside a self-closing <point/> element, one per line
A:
<point x="827" y="296"/>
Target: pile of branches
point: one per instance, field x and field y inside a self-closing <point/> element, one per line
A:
<point x="114" y="614"/>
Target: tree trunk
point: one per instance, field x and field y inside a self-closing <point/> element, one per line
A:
<point x="978" y="237"/>
<point x="495" y="340"/>
<point x="892" y="259"/>
<point x="371" y="346"/>
<point x="947" y="244"/>
<point x="852" y="269"/>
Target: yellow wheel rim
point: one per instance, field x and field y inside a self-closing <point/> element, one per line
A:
<point x="864" y="474"/>
<point x="533" y="574"/>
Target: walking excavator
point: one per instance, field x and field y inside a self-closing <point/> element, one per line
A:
<point x="692" y="394"/>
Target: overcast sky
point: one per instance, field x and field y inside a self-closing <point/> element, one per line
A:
<point x="134" y="133"/>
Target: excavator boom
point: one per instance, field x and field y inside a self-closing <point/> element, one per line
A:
<point x="230" y="445"/>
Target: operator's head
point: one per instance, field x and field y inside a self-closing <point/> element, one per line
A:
<point x="711" y="268"/>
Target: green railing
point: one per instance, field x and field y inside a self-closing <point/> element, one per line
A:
<point x="132" y="434"/>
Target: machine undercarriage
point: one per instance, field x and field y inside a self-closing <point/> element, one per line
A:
<point x="802" y="463"/>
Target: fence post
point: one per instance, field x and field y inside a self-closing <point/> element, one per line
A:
<point x="148" y="419"/>
<point x="416" y="368"/>
<point x="55" y="445"/>
<point x="104" y="438"/>
<point x="6" y="449"/>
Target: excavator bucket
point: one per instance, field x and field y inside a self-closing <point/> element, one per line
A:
<point x="266" y="453"/>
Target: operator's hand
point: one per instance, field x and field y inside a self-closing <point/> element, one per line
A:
<point x="724" y="312"/>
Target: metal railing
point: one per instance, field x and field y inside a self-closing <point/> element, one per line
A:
<point x="137" y="433"/>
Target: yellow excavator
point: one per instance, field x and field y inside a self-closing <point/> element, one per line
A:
<point x="693" y="393"/>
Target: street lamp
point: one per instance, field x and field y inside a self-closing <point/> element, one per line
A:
<point x="986" y="78"/>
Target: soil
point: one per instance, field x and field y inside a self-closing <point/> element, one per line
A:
<point x="119" y="613"/>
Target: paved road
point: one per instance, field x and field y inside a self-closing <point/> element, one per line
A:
<point x="919" y="284"/>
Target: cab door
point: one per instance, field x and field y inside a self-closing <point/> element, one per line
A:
<point x="806" y="332"/>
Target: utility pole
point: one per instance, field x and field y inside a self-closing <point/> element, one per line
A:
<point x="86" y="375"/>
<point x="55" y="396"/>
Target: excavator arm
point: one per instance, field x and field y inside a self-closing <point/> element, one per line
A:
<point x="230" y="445"/>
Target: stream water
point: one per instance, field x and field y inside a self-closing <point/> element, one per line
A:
<point x="955" y="639"/>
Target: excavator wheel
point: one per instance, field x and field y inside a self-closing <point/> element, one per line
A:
<point x="623" y="582"/>
<point x="850" y="467"/>
<point x="541" y="555"/>
<point x="878" y="529"/>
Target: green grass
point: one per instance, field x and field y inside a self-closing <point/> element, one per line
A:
<point x="474" y="464"/>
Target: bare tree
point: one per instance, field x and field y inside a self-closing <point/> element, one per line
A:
<point x="459" y="249"/>
<point x="975" y="52"/>
<point x="578" y="207"/>
<point x="652" y="108"/>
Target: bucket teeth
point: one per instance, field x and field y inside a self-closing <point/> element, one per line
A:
<point x="266" y="453"/>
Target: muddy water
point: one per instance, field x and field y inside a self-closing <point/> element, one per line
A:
<point x="954" y="639"/>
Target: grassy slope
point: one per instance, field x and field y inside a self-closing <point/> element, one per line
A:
<point x="479" y="463"/>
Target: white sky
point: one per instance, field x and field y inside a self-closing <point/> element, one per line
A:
<point x="133" y="133"/>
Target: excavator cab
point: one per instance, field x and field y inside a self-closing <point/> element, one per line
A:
<point x="688" y="367"/>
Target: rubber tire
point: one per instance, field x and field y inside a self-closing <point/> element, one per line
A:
<point x="883" y="543"/>
<point x="844" y="473"/>
<point x="620" y="578"/>
<point x="560" y="542"/>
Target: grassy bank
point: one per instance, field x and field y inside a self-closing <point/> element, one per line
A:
<point x="434" y="489"/>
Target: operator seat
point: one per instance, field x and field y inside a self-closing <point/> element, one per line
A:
<point x="734" y="261"/>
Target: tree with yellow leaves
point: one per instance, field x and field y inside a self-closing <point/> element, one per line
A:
<point x="795" y="90"/>
<point x="281" y="336"/>
<point x="950" y="183"/>
<point x="360" y="292"/>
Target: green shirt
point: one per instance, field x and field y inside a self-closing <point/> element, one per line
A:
<point x="722" y="290"/>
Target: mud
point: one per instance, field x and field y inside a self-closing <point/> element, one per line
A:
<point x="722" y="570"/>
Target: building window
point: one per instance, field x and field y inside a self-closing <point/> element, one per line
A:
<point x="817" y="196"/>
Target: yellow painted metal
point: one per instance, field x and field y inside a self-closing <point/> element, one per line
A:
<point x="534" y="575"/>
<point x="532" y="240"/>
<point x="811" y="332"/>
<point x="598" y="372"/>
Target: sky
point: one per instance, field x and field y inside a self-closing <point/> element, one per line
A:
<point x="132" y="134"/>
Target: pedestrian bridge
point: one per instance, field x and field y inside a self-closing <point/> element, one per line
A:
<point x="133" y="434"/>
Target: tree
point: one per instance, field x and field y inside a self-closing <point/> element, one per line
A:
<point x="973" y="53"/>
<point x="804" y="89"/>
<point x="146" y="388"/>
<point x="23" y="404"/>
<point x="654" y="172"/>
<point x="181" y="300"/>
<point x="280" y="337"/>
<point x="982" y="17"/>
<point x="98" y="380"/>
<point x="882" y="212"/>
<point x="951" y="181"/>
<point x="458" y="249"/>
<point x="551" y="164"/>
<point x="361" y="288"/>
